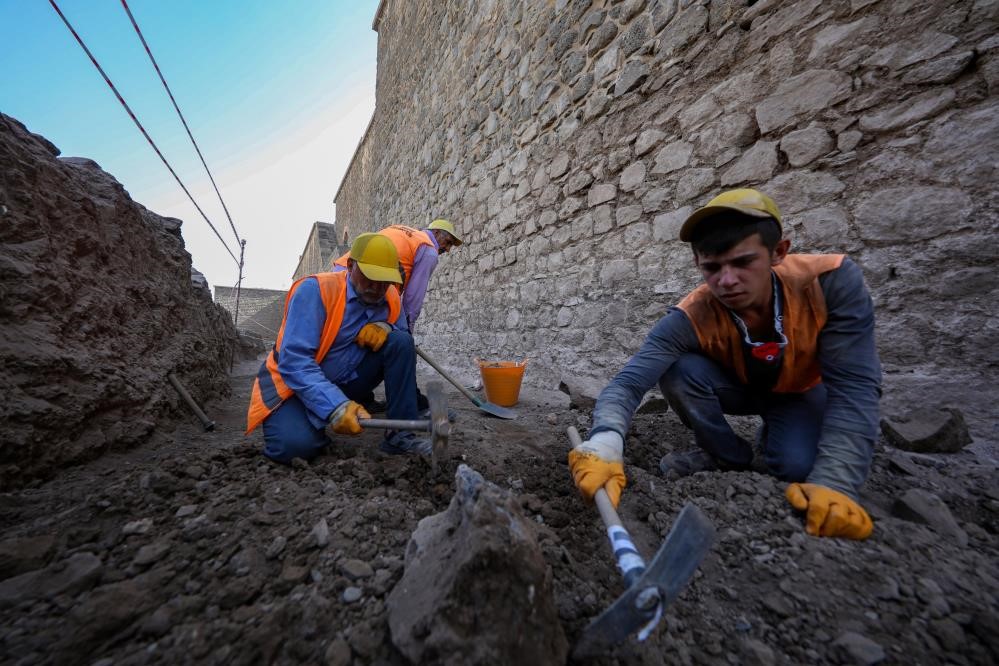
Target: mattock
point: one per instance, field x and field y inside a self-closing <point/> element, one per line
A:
<point x="437" y="425"/>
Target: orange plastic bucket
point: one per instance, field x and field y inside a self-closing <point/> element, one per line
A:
<point x="501" y="380"/>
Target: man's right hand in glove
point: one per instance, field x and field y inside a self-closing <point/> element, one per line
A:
<point x="373" y="335"/>
<point x="598" y="463"/>
<point x="343" y="420"/>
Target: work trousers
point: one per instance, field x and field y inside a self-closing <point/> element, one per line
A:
<point x="288" y="432"/>
<point x="701" y="392"/>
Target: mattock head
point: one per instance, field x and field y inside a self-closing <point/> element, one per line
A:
<point x="440" y="426"/>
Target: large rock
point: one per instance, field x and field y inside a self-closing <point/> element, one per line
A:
<point x="808" y="92"/>
<point x="928" y="431"/>
<point x="582" y="391"/>
<point x="476" y="589"/>
<point x="920" y="506"/>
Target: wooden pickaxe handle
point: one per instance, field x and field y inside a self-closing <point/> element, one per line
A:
<point x="397" y="424"/>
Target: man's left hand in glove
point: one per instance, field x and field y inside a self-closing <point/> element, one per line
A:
<point x="829" y="513"/>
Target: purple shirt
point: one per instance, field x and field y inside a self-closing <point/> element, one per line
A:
<point x="424" y="264"/>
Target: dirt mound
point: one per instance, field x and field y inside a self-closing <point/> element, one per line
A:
<point x="209" y="553"/>
<point x="97" y="306"/>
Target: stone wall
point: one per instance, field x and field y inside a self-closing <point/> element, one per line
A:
<point x="569" y="138"/>
<point x="260" y="310"/>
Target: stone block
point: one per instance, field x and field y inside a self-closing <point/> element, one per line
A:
<point x="582" y="391"/>
<point x="582" y="227"/>
<point x="823" y="227"/>
<point x="603" y="219"/>
<point x="559" y="165"/>
<point x="602" y="36"/>
<point x="685" y="28"/>
<point x="596" y="105"/>
<point x="908" y="112"/>
<point x="601" y="193"/>
<point x="806" y="93"/>
<point x="607" y="64"/>
<point x="666" y="227"/>
<point x="648" y="140"/>
<point x="964" y="145"/>
<point x="662" y="12"/>
<point x="569" y="207"/>
<point x="573" y="65"/>
<point x="848" y="140"/>
<point x="636" y="35"/>
<point x="705" y="109"/>
<point x="617" y="271"/>
<point x="632" y="176"/>
<point x="578" y="181"/>
<point x="944" y="70"/>
<point x="673" y="156"/>
<point x="632" y="76"/>
<point x="694" y="182"/>
<point x="756" y="165"/>
<point x="804" y="146"/>
<point x="581" y="87"/>
<point x="831" y="42"/>
<point x="628" y="214"/>
<point x="507" y="217"/>
<point x="637" y="235"/>
<point x="799" y="190"/>
<point x="928" y="44"/>
<point x="910" y="213"/>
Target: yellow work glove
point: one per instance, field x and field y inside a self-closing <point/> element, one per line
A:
<point x="373" y="335"/>
<point x="343" y="420"/>
<point x="597" y="463"/>
<point x="829" y="513"/>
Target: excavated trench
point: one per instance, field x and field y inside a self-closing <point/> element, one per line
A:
<point x="195" y="548"/>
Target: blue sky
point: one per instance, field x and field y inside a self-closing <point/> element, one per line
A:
<point x="277" y="94"/>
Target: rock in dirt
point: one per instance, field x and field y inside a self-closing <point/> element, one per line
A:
<point x="72" y="576"/>
<point x="856" y="648"/>
<point x="920" y="506"/>
<point x="928" y="431"/>
<point x="582" y="392"/>
<point x="437" y="608"/>
<point x="22" y="554"/>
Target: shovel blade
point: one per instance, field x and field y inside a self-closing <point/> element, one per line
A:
<point x="686" y="545"/>
<point x="496" y="410"/>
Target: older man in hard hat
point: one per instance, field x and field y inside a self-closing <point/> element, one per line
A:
<point x="418" y="254"/>
<point x="340" y="337"/>
<point x="789" y="337"/>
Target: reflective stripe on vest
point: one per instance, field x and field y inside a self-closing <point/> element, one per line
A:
<point x="804" y="316"/>
<point x="269" y="389"/>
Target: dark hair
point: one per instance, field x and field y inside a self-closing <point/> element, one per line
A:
<point x="726" y="231"/>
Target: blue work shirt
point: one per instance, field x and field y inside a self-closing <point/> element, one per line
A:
<point x="315" y="384"/>
<point x="850" y="370"/>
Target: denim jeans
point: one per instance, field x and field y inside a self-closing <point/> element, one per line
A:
<point x="701" y="392"/>
<point x="289" y="434"/>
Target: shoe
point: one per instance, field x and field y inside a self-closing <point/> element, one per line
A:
<point x="685" y="463"/>
<point x="424" y="415"/>
<point x="405" y="442"/>
<point x="375" y="406"/>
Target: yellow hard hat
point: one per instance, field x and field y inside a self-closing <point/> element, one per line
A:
<point x="376" y="257"/>
<point x="746" y="201"/>
<point x="444" y="225"/>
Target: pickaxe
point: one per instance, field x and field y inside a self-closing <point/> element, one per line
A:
<point x="649" y="589"/>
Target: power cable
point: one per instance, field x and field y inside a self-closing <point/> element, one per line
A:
<point x="182" y="120"/>
<point x="141" y="128"/>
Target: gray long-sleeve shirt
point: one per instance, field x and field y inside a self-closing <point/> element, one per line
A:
<point x="850" y="368"/>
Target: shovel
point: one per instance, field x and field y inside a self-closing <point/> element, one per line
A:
<point x="484" y="405"/>
<point x="649" y="590"/>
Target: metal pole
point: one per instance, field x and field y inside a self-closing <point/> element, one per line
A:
<point x="235" y="317"/>
<point x="206" y="422"/>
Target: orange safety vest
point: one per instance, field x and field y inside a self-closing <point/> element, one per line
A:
<point x="407" y="241"/>
<point x="804" y="311"/>
<point x="269" y="389"/>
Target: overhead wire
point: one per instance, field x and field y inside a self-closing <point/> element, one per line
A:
<point x="159" y="73"/>
<point x="142" y="129"/>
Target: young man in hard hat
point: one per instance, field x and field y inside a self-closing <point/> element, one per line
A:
<point x="418" y="253"/>
<point x="340" y="337"/>
<point x="789" y="337"/>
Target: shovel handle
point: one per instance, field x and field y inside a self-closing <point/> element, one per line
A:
<point x="468" y="394"/>
<point x="629" y="561"/>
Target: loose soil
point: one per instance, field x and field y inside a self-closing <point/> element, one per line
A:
<point x="194" y="548"/>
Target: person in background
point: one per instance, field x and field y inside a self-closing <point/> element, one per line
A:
<point x="340" y="337"/>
